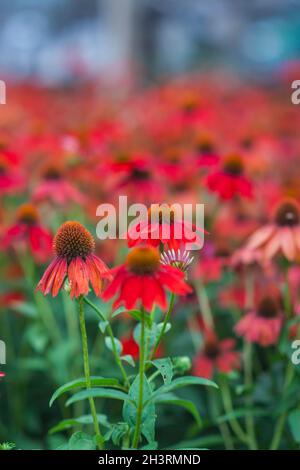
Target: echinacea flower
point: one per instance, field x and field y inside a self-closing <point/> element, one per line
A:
<point x="163" y="226"/>
<point x="142" y="279"/>
<point x="2" y="375"/>
<point x="180" y="259"/>
<point x="10" y="179"/>
<point x="28" y="231"/>
<point x="282" y="236"/>
<point x="216" y="355"/>
<point x="230" y="181"/>
<point x="55" y="188"/>
<point x="75" y="261"/>
<point x="263" y="325"/>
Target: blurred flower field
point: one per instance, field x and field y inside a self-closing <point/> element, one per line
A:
<point x="210" y="342"/>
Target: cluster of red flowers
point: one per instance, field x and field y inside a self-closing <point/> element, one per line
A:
<point x="233" y="147"/>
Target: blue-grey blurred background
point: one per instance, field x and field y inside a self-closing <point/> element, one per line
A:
<point x="58" y="41"/>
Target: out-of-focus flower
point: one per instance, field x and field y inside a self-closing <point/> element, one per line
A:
<point x="262" y="326"/>
<point x="55" y="188"/>
<point x="143" y="279"/>
<point x="282" y="236"/>
<point x="163" y="226"/>
<point x="206" y="155"/>
<point x="11" y="179"/>
<point x="74" y="260"/>
<point x="29" y="232"/>
<point x="216" y="355"/>
<point x="230" y="181"/>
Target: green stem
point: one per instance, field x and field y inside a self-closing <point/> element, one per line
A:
<point x="113" y="343"/>
<point x="282" y="418"/>
<point x="223" y="428"/>
<point x="86" y="363"/>
<point x="227" y="401"/>
<point x="204" y="303"/>
<point x="249" y="383"/>
<point x="137" y="432"/>
<point x="164" y="326"/>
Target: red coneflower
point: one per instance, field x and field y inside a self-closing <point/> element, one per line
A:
<point x="55" y="188"/>
<point x="216" y="355"/>
<point x="10" y="179"/>
<point x="262" y="326"/>
<point x="28" y="231"/>
<point x="2" y="374"/>
<point x="142" y="278"/>
<point x="282" y="236"/>
<point x="75" y="260"/>
<point x="163" y="226"/>
<point x="230" y="181"/>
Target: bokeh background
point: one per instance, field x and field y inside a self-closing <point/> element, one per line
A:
<point x="83" y="92"/>
<point x="61" y="41"/>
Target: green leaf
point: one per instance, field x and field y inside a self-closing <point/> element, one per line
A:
<point x="165" y="367"/>
<point x="129" y="359"/>
<point x="171" y="399"/>
<point x="183" y="382"/>
<point x="81" y="383"/>
<point x="148" y="414"/>
<point x="82" y="420"/>
<point x="81" y="441"/>
<point x="103" y="325"/>
<point x="152" y="333"/>
<point x="24" y="308"/>
<point x="97" y="393"/>
<point x="117" y="432"/>
<point x="109" y="344"/>
<point x="294" y="423"/>
<point x="150" y="446"/>
<point x="160" y="327"/>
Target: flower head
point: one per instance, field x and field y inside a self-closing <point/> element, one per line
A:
<point x="181" y="259"/>
<point x="143" y="279"/>
<point x="28" y="231"/>
<point x="75" y="260"/>
<point x="216" y="355"/>
<point x="282" y="236"/>
<point x="164" y="226"/>
<point x="230" y="181"/>
<point x="262" y="326"/>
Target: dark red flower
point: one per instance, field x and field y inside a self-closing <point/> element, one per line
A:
<point x="216" y="355"/>
<point x="262" y="326"/>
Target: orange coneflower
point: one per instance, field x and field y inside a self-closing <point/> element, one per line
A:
<point x="143" y="278"/>
<point x="263" y="325"/>
<point x="282" y="236"/>
<point x="75" y="260"/>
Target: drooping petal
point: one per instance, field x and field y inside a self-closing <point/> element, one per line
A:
<point x="61" y="271"/>
<point x="260" y="236"/>
<point x="78" y="277"/>
<point x="46" y="282"/>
